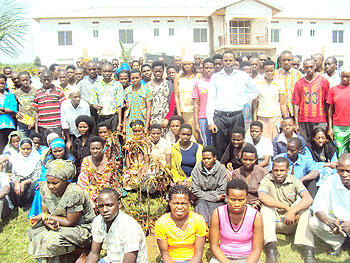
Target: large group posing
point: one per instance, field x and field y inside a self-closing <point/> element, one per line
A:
<point x="256" y="147"/>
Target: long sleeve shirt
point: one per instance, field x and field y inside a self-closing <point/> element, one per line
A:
<point x="229" y="93"/>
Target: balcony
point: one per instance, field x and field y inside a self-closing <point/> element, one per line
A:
<point x="243" y="39"/>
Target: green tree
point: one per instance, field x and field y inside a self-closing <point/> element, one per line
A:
<point x="37" y="61"/>
<point x="13" y="26"/>
<point x="126" y="52"/>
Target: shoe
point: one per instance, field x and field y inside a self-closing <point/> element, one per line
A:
<point x="271" y="252"/>
<point x="309" y="255"/>
<point x="335" y="253"/>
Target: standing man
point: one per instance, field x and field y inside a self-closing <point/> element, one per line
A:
<point x="262" y="58"/>
<point x="107" y="98"/>
<point x="85" y="86"/>
<point x="178" y="62"/>
<point x="47" y="102"/>
<point x="309" y="101"/>
<point x="230" y="89"/>
<point x="289" y="77"/>
<point x="219" y="65"/>
<point x="331" y="72"/>
<point x="70" y="110"/>
<point x="54" y="69"/>
<point x="318" y="58"/>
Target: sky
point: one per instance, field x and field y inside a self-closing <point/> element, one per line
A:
<point x="40" y="7"/>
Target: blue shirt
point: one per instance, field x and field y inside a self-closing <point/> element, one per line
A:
<point x="8" y="101"/>
<point x="230" y="92"/>
<point x="302" y="166"/>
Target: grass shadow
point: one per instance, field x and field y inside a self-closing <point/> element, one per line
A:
<point x="14" y="213"/>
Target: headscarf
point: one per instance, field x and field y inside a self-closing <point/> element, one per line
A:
<point x="24" y="166"/>
<point x="61" y="169"/>
<point x="57" y="143"/>
<point x="13" y="134"/>
<point x="345" y="68"/>
<point x="51" y="136"/>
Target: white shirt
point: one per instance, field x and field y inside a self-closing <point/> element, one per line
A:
<point x="161" y="149"/>
<point x="334" y="80"/>
<point x="333" y="198"/>
<point x="69" y="114"/>
<point x="263" y="147"/>
<point x="229" y="93"/>
<point x="124" y="236"/>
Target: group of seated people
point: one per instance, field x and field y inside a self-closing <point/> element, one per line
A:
<point x="74" y="178"/>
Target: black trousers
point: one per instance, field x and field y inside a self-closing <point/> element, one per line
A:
<point x="311" y="187"/>
<point x="46" y="131"/>
<point x="225" y="121"/>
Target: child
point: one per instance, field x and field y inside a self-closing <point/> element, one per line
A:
<point x="138" y="98"/>
<point x="161" y="148"/>
<point x="112" y="147"/>
<point x="37" y="141"/>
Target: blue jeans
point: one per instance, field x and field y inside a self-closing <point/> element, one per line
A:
<point x="24" y="129"/>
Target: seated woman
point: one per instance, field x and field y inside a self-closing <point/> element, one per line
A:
<point x="232" y="156"/>
<point x="81" y="145"/>
<point x="324" y="152"/>
<point x="65" y="221"/>
<point x="26" y="168"/>
<point x="236" y="229"/>
<point x="185" y="154"/>
<point x="173" y="136"/>
<point x="12" y="148"/>
<point x="58" y="151"/>
<point x="97" y="172"/>
<point x="137" y="150"/>
<point x="251" y="173"/>
<point x="180" y="233"/>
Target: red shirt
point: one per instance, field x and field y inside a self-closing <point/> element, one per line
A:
<point x="310" y="97"/>
<point x="48" y="106"/>
<point x="339" y="96"/>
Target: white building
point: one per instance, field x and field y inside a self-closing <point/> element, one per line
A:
<point x="247" y="27"/>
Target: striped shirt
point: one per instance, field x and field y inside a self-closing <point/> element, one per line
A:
<point x="289" y="78"/>
<point x="48" y="106"/>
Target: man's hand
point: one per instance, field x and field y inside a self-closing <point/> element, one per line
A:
<point x="69" y="144"/>
<point x="196" y="127"/>
<point x="19" y="115"/>
<point x="119" y="127"/>
<point x="164" y="123"/>
<point x="213" y="128"/>
<point x="330" y="133"/>
<point x="297" y="129"/>
<point x="97" y="107"/>
<point x="345" y="226"/>
<point x="290" y="218"/>
<point x="31" y="125"/>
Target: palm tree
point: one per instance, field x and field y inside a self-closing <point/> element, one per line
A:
<point x="13" y="26"/>
<point x="126" y="51"/>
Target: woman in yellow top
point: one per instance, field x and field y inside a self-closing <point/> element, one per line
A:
<point x="183" y="87"/>
<point x="180" y="233"/>
<point x="185" y="154"/>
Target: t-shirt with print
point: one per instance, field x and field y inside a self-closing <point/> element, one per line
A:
<point x="310" y="97"/>
<point x="25" y="101"/>
<point x="200" y="91"/>
<point x="339" y="96"/>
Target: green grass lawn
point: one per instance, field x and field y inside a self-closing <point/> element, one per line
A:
<point x="14" y="241"/>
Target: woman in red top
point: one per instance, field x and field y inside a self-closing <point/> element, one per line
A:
<point x="338" y="113"/>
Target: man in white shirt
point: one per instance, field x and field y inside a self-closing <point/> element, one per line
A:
<point x="331" y="72"/>
<point x="229" y="90"/>
<point x="331" y="207"/>
<point x="124" y="237"/>
<point x="70" y="110"/>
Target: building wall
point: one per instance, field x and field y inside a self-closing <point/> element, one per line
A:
<point x="106" y="45"/>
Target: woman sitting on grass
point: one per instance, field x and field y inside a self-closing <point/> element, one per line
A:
<point x="26" y="169"/>
<point x="97" y="172"/>
<point x="180" y="233"/>
<point x="185" y="154"/>
<point x="236" y="229"/>
<point x="65" y="221"/>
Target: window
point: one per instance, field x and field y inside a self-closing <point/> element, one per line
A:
<point x="240" y="32"/>
<point x="156" y="32"/>
<point x="275" y="35"/>
<point x="312" y="23"/>
<point x="200" y="35"/>
<point x="338" y="36"/>
<point x="64" y="23"/>
<point x="126" y="36"/>
<point x="275" y="22"/>
<point x="95" y="22"/>
<point x="299" y="22"/>
<point x="299" y="32"/>
<point x="171" y="32"/>
<point x="95" y="33"/>
<point x="312" y="32"/>
<point x="125" y="22"/>
<point x="64" y="38"/>
<point x="156" y="21"/>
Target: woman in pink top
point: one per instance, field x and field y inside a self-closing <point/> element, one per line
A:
<point x="236" y="229"/>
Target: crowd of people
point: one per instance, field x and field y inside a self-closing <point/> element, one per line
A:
<point x="257" y="147"/>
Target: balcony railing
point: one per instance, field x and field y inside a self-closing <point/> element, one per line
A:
<point x="243" y="39"/>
